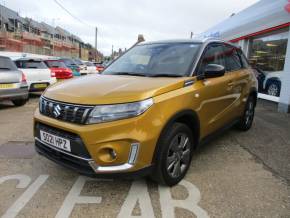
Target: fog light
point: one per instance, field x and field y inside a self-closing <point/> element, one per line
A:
<point x="113" y="153"/>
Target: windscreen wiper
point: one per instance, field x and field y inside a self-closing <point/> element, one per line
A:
<point x="130" y="74"/>
<point x="4" y="68"/>
<point x="165" y="75"/>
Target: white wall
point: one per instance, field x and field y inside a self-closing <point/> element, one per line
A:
<point x="284" y="105"/>
<point x="260" y="16"/>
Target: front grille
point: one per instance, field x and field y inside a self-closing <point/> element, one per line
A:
<point x="63" y="111"/>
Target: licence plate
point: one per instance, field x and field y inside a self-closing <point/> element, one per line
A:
<point x="55" y="141"/>
<point x="40" y="85"/>
<point x="7" y="86"/>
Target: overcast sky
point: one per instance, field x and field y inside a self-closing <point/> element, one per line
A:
<point x="120" y="21"/>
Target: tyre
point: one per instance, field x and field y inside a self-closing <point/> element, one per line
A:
<point x="174" y="155"/>
<point x="19" y="102"/>
<point x="273" y="88"/>
<point x="246" y="120"/>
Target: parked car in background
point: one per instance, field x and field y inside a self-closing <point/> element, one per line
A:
<point x="272" y="83"/>
<point x="13" y="85"/>
<point x="269" y="82"/>
<point x="99" y="67"/>
<point x="90" y="68"/>
<point x="60" y="70"/>
<point x="107" y="63"/>
<point x="80" y="64"/>
<point x="70" y="63"/>
<point x="38" y="75"/>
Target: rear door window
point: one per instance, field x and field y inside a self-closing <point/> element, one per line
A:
<point x="232" y="58"/>
<point x="30" y="64"/>
<point x="243" y="59"/>
<point x="7" y="64"/>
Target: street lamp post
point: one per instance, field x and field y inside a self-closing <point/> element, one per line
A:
<point x="96" y="44"/>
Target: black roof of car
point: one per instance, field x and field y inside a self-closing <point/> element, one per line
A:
<point x="196" y="40"/>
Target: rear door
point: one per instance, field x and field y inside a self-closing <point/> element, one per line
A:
<point x="215" y="93"/>
<point x="240" y="76"/>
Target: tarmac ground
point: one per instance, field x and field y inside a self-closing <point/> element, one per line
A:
<point x="238" y="174"/>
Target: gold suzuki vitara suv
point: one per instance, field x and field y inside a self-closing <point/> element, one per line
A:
<point x="147" y="112"/>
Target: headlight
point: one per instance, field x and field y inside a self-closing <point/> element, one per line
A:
<point x="106" y="113"/>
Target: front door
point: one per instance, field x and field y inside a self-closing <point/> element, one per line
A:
<point x="216" y="94"/>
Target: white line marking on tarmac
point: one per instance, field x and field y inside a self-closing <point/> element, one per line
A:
<point x="74" y="197"/>
<point x="190" y="203"/>
<point x="23" y="180"/>
<point x="26" y="196"/>
<point x="138" y="193"/>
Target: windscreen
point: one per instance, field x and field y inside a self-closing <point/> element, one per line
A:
<point x="68" y="62"/>
<point x="168" y="59"/>
<point x="30" y="64"/>
<point x="7" y="64"/>
<point x="77" y="61"/>
<point x="55" y="64"/>
<point x="89" y="64"/>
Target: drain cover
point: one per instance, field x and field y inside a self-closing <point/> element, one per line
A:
<point x="17" y="149"/>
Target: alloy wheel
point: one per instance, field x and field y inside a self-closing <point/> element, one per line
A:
<point x="178" y="156"/>
<point x="273" y="90"/>
<point x="249" y="113"/>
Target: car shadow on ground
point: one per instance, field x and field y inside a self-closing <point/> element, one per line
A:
<point x="7" y="104"/>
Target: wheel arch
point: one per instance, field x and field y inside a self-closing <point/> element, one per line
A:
<point x="187" y="117"/>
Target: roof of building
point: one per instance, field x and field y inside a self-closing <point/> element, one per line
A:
<point x="8" y="15"/>
<point x="33" y="23"/>
<point x="262" y="15"/>
<point x="62" y="31"/>
<point x="47" y="28"/>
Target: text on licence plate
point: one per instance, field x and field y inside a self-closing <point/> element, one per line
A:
<point x="55" y="141"/>
<point x="7" y="86"/>
<point x="40" y="85"/>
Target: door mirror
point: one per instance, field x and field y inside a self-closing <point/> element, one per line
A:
<point x="214" y="70"/>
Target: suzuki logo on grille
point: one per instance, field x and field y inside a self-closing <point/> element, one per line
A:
<point x="56" y="111"/>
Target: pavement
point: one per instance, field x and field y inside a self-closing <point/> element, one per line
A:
<point x="238" y="174"/>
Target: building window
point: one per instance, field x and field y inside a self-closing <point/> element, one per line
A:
<point x="267" y="55"/>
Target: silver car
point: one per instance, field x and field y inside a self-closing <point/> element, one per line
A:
<point x="13" y="85"/>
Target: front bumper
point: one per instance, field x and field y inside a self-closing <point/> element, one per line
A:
<point x="79" y="151"/>
<point x="133" y="140"/>
<point x="87" y="166"/>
